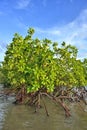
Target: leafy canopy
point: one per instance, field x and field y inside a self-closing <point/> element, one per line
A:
<point x="38" y="64"/>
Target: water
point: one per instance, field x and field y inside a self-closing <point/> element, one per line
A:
<point x="4" y="107"/>
<point x="22" y="117"/>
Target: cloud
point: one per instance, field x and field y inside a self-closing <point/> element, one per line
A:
<point x="22" y="4"/>
<point x="51" y="31"/>
<point x="74" y="33"/>
<point x="2" y="50"/>
<point x="1" y="56"/>
<point x="2" y="53"/>
<point x="77" y="31"/>
<point x="2" y="47"/>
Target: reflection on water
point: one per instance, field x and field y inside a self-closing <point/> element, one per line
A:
<point x="24" y="118"/>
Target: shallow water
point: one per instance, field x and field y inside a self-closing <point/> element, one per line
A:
<point x="3" y="111"/>
<point x="4" y="107"/>
<point x="20" y="117"/>
<point x="23" y="118"/>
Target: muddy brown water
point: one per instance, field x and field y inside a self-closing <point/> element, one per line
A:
<point x="20" y="117"/>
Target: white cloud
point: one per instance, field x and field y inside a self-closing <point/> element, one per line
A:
<point x="1" y="49"/>
<point x="22" y="4"/>
<point x="2" y="46"/>
<point x="51" y="31"/>
<point x="74" y="33"/>
<point x="2" y="52"/>
<point x="1" y="56"/>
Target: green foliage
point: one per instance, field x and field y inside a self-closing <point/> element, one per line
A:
<point x="39" y="64"/>
<point x="1" y="75"/>
<point x="84" y="64"/>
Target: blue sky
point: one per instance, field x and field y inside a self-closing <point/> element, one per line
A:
<point x="57" y="20"/>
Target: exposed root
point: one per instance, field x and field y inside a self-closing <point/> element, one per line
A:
<point x="35" y="99"/>
<point x="44" y="105"/>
